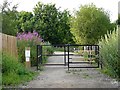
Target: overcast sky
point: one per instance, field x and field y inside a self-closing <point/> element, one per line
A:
<point x="119" y="7"/>
<point x="108" y="5"/>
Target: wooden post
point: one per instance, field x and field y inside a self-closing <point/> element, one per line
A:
<point x="27" y="55"/>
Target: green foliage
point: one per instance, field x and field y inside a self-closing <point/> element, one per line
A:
<point x="89" y="24"/>
<point x="0" y="68"/>
<point x="33" y="52"/>
<point x="28" y="40"/>
<point x="58" y="49"/>
<point x="24" y="21"/>
<point x="13" y="72"/>
<point x="0" y="22"/>
<point x="46" y="50"/>
<point x="109" y="54"/>
<point x="52" y="24"/>
<point x="21" y="51"/>
<point x="9" y="19"/>
<point x="85" y="55"/>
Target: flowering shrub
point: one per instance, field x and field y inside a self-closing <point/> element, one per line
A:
<point x="30" y="37"/>
<point x="31" y="40"/>
<point x="28" y="40"/>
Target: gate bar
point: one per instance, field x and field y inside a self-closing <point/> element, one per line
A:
<point x="84" y="67"/>
<point x="57" y="54"/>
<point x="53" y="64"/>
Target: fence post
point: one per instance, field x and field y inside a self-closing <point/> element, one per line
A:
<point x="27" y="55"/>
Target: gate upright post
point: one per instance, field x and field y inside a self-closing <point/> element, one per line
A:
<point x="101" y="61"/>
<point x="68" y="57"/>
<point x="37" y="56"/>
<point x="98" y="55"/>
<point x="41" y="54"/>
<point x="65" y="55"/>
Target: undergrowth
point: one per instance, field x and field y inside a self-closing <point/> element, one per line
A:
<point x="13" y="72"/>
<point x="109" y="54"/>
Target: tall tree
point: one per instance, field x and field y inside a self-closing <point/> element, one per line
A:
<point x="89" y="24"/>
<point x="9" y="18"/>
<point x="51" y="23"/>
<point x="25" y="21"/>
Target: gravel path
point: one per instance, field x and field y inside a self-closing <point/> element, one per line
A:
<point x="60" y="77"/>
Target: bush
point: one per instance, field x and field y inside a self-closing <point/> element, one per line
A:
<point x="28" y="40"/>
<point x="13" y="72"/>
<point x="31" y="40"/>
<point x="109" y="54"/>
<point x="0" y="68"/>
<point x="21" y="51"/>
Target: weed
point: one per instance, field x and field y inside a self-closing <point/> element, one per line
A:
<point x="13" y="72"/>
<point x="109" y="54"/>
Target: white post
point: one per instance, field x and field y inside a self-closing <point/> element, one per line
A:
<point x="27" y="56"/>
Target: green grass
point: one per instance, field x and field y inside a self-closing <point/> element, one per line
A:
<point x="107" y="71"/>
<point x="13" y="72"/>
<point x="0" y="80"/>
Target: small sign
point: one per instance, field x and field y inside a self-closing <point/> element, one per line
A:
<point x="27" y="55"/>
<point x="27" y="52"/>
<point x="27" y="59"/>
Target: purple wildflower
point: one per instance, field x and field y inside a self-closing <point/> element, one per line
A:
<point x="30" y="36"/>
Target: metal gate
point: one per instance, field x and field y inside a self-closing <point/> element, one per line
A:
<point x="83" y="56"/>
<point x="41" y="54"/>
<point x="74" y="56"/>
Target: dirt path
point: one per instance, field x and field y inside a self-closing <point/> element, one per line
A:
<point x="60" y="77"/>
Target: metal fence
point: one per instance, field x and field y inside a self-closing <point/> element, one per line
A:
<point x="70" y="52"/>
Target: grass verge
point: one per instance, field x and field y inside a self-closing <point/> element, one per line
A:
<point x="13" y="72"/>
